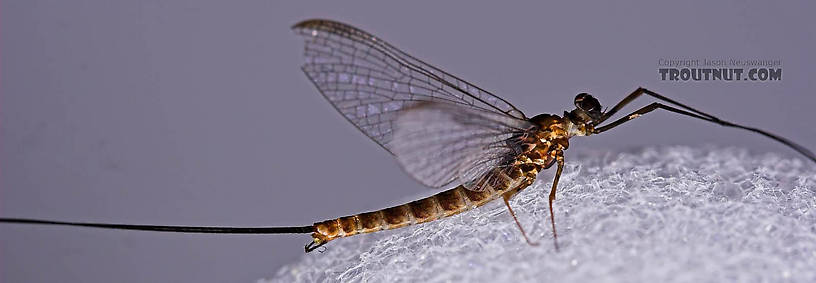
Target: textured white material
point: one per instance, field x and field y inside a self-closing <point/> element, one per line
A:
<point x="658" y="215"/>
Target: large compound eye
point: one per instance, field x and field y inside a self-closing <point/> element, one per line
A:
<point x="586" y="102"/>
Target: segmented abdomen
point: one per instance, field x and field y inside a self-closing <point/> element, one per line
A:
<point x="444" y="204"/>
<point x="441" y="205"/>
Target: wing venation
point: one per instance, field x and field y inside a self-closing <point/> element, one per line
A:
<point x="388" y="95"/>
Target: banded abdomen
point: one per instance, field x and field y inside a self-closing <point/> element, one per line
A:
<point x="441" y="205"/>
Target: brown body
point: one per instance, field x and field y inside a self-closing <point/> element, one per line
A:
<point x="541" y="151"/>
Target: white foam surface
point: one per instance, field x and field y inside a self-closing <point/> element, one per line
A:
<point x="672" y="214"/>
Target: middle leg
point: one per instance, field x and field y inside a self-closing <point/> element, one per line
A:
<point x="559" y="157"/>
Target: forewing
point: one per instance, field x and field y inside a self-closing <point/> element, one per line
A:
<point x="371" y="82"/>
<point x="441" y="143"/>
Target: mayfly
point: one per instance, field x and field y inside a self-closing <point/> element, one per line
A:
<point x="442" y="130"/>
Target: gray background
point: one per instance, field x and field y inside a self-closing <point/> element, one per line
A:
<point x="196" y="113"/>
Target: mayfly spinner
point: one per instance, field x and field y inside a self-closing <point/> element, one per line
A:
<point x="443" y="131"/>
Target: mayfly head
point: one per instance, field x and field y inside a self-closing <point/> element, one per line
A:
<point x="587" y="113"/>
<point x="587" y="110"/>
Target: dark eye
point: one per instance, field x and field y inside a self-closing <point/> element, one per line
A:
<point x="586" y="102"/>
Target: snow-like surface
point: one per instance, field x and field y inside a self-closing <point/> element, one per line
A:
<point x="659" y="215"/>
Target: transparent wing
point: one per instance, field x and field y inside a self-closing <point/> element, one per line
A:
<point x="440" y="143"/>
<point x="370" y="82"/>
